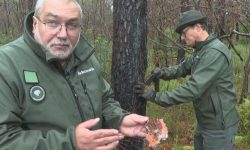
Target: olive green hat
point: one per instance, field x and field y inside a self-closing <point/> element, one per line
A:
<point x="189" y="18"/>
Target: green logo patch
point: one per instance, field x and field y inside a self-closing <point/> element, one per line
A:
<point x="30" y="77"/>
<point x="37" y="93"/>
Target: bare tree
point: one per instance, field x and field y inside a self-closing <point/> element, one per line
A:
<point x="97" y="17"/>
<point x="129" y="58"/>
<point x="13" y="14"/>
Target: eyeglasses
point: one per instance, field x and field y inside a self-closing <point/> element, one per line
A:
<point x="55" y="27"/>
<point x="184" y="31"/>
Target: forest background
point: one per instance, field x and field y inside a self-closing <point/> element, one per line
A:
<point x="229" y="19"/>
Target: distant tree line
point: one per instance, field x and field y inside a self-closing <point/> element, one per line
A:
<point x="226" y="14"/>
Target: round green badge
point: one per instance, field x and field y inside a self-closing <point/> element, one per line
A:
<point x="37" y="93"/>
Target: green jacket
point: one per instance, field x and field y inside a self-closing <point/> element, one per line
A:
<point x="41" y="102"/>
<point x="210" y="86"/>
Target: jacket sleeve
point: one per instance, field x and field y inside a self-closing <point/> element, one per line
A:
<point x="15" y="136"/>
<point x="208" y="69"/>
<point x="181" y="70"/>
<point x="112" y="111"/>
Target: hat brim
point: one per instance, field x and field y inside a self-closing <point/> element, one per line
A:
<point x="183" y="26"/>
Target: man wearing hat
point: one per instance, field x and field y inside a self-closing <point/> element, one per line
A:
<point x="210" y="86"/>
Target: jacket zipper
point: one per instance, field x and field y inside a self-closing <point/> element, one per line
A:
<point x="87" y="94"/>
<point x="223" y="121"/>
<point x="76" y="100"/>
<point x="222" y="115"/>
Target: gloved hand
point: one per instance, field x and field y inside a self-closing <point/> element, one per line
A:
<point x="159" y="73"/>
<point x="145" y="92"/>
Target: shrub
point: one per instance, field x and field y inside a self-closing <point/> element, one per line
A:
<point x="5" y="38"/>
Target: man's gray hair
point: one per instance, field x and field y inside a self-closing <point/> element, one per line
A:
<point x="39" y="4"/>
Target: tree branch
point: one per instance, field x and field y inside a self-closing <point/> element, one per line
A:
<point x="227" y="38"/>
<point x="176" y="44"/>
<point x="242" y="34"/>
<point x="234" y="32"/>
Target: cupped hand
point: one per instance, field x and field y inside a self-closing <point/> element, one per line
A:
<point x="102" y="139"/>
<point x="133" y="125"/>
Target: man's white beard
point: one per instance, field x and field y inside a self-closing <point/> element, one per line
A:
<point x="59" y="54"/>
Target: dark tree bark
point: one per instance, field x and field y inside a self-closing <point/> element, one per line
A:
<point x="129" y="60"/>
<point x="244" y="91"/>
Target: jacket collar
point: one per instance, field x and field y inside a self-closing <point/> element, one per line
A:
<point x="82" y="51"/>
<point x="200" y="44"/>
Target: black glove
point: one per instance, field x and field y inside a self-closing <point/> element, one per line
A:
<point x="145" y="92"/>
<point x="159" y="73"/>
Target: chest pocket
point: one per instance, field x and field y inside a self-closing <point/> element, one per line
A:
<point x="88" y="89"/>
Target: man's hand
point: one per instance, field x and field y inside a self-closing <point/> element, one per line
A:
<point x="101" y="139"/>
<point x="145" y="92"/>
<point x="159" y="73"/>
<point x="133" y="125"/>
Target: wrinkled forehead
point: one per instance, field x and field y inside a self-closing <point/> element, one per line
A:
<point x="60" y="8"/>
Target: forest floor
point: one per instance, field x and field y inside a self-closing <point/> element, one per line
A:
<point x="181" y="123"/>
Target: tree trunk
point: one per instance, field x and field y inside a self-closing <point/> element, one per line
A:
<point x="237" y="29"/>
<point x="129" y="60"/>
<point x="244" y="91"/>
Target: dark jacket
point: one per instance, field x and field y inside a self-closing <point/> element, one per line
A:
<point x="41" y="103"/>
<point x="210" y="86"/>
